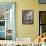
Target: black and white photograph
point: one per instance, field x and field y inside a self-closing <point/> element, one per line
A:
<point x="27" y="16"/>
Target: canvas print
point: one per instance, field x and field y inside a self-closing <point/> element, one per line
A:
<point x="27" y="17"/>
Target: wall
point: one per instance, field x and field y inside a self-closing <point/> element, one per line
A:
<point x="27" y="31"/>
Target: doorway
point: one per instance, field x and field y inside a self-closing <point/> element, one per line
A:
<point x="7" y="21"/>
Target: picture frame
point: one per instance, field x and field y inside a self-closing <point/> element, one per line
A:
<point x="42" y="1"/>
<point x="27" y="17"/>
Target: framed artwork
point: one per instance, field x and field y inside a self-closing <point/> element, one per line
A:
<point x="42" y="1"/>
<point x="27" y="17"/>
<point x="7" y="20"/>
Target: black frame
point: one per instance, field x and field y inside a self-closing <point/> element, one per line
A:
<point x="26" y="12"/>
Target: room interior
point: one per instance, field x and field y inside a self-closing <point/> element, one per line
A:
<point x="22" y="31"/>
